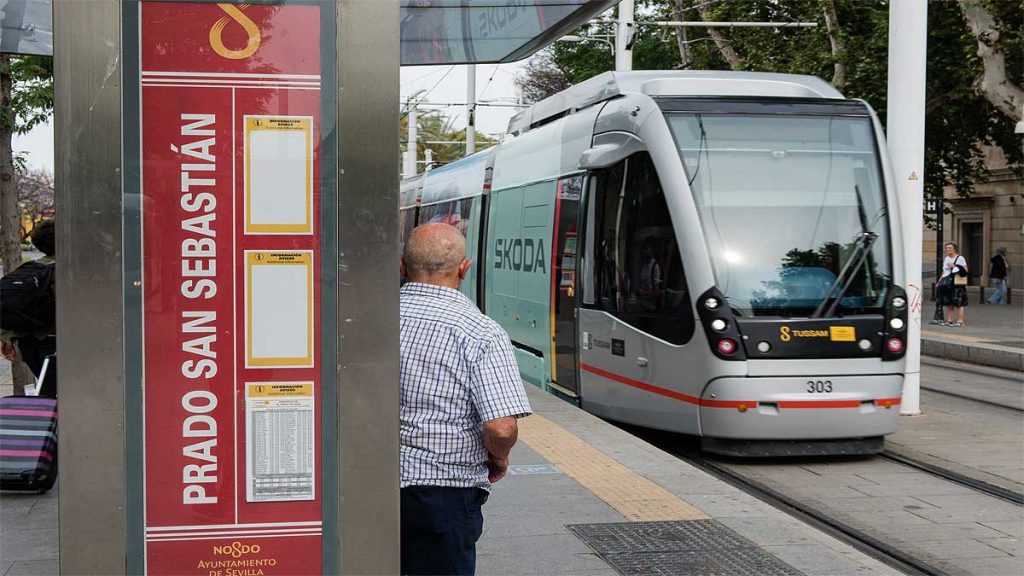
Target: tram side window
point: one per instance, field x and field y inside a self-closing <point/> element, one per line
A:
<point x="454" y="213"/>
<point x="406" y="222"/>
<point x="640" y="275"/>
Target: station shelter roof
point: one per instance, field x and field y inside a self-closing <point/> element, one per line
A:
<point x="433" y="31"/>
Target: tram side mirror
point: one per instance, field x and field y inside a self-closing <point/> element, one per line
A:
<point x="610" y="149"/>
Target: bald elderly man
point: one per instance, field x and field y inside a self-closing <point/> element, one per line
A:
<point x="461" y="396"/>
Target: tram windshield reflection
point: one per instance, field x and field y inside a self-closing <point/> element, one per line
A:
<point x="784" y="201"/>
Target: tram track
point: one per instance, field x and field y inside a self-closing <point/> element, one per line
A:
<point x="817" y="514"/>
<point x="972" y="399"/>
<point x="956" y="477"/>
<point x="843" y="531"/>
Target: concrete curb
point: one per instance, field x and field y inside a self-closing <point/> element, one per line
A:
<point x="974" y="353"/>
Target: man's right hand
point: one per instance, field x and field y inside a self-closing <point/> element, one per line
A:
<point x="496" y="469"/>
<point x="8" y="350"/>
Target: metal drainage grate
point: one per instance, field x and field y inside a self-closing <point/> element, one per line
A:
<point x="702" y="547"/>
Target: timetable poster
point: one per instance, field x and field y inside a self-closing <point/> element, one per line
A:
<point x="230" y="172"/>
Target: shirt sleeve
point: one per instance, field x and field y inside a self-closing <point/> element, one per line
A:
<point x="496" y="387"/>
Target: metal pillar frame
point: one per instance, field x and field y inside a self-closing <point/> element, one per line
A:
<point x="368" y="259"/>
<point x="97" y="284"/>
<point x="90" y="313"/>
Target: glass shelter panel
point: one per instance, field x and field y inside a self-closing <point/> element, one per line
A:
<point x="465" y="31"/>
<point x="791" y="207"/>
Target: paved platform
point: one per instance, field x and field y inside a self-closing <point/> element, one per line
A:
<point x="571" y="469"/>
<point x="573" y="473"/>
<point x="992" y="335"/>
<point x="582" y="470"/>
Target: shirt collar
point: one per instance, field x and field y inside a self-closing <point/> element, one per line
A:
<point x="431" y="290"/>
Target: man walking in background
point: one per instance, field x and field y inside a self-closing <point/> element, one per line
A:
<point x="460" y="397"/>
<point x="999" y="273"/>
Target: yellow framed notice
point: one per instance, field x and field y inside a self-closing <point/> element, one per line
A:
<point x="278" y="174"/>
<point x="278" y="309"/>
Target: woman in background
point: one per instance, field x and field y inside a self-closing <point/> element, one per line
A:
<point x="954" y="296"/>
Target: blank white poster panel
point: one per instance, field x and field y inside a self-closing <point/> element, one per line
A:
<point x="278" y="179"/>
<point x="280" y="315"/>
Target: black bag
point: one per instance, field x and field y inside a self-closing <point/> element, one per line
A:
<point x="28" y="303"/>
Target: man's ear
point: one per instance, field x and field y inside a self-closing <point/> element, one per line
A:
<point x="401" y="267"/>
<point x="464" y="268"/>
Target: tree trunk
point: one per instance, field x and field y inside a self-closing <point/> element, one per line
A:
<point x="10" y="227"/>
<point x="721" y="41"/>
<point x="838" y="46"/>
<point x="684" y="48"/>
<point x="992" y="84"/>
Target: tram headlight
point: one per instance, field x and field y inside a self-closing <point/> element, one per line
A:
<point x="899" y="302"/>
<point x="712" y="303"/>
<point x="718" y="324"/>
<point x="864" y="344"/>
<point x="896" y="323"/>
<point x="727" y="346"/>
<point x="894" y="345"/>
<point x="764" y="347"/>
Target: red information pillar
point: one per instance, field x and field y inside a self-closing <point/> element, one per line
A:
<point x="231" y="252"/>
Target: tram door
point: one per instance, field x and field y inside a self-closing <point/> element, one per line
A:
<point x="563" y="282"/>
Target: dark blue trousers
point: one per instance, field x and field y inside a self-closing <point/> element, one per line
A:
<point x="440" y="527"/>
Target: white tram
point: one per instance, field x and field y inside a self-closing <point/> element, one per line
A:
<point x="711" y="253"/>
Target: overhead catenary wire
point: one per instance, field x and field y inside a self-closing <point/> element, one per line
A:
<point x="487" y="85"/>
<point x="425" y="76"/>
<point x="436" y="84"/>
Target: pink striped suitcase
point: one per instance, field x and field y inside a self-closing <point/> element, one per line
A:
<point x="28" y="443"/>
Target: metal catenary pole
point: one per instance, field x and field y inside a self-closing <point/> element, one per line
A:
<point x="470" y="109"/>
<point x="623" y="37"/>
<point x="908" y="42"/>
<point x="409" y="161"/>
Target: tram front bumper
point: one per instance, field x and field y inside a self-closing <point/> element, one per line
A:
<point x="795" y="408"/>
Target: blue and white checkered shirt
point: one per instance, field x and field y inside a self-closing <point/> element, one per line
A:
<point x="458" y="370"/>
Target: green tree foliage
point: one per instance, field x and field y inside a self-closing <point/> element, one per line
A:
<point x="26" y="100"/>
<point x="960" y="121"/>
<point x="433" y="128"/>
<point x="31" y="100"/>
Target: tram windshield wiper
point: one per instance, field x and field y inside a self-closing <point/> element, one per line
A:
<point x="865" y="240"/>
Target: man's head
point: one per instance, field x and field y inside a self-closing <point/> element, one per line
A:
<point x="44" y="237"/>
<point x="435" y="254"/>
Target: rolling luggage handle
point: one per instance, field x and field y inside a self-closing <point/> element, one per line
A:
<point x="35" y="388"/>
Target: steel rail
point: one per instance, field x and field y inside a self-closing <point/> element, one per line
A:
<point x="842" y="531"/>
<point x="957" y="478"/>
<point x="973" y="399"/>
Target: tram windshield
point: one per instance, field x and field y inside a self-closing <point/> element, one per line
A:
<point x="793" y="210"/>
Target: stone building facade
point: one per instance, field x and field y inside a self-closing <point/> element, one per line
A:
<point x="991" y="217"/>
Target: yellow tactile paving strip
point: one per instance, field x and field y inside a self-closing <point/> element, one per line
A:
<point x="630" y="494"/>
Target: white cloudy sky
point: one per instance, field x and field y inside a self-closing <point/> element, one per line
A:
<point x="493" y="82"/>
<point x="446" y="84"/>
